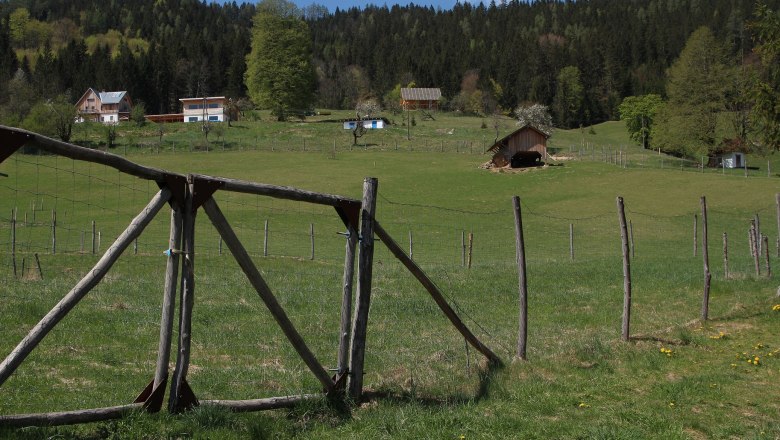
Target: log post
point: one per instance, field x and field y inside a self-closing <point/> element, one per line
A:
<point x="471" y="247"/>
<point x="169" y="298"/>
<point x="178" y="391"/>
<point x="311" y="235"/>
<point x="695" y="234"/>
<point x="725" y="255"/>
<point x="463" y="248"/>
<point x="53" y="232"/>
<point x="345" y="327"/>
<point x="34" y="337"/>
<point x="571" y="241"/>
<point x="759" y="244"/>
<point x="94" y="237"/>
<point x="522" y="279"/>
<point x="766" y="256"/>
<point x="363" y="300"/>
<point x="626" y="270"/>
<point x="705" y="305"/>
<point x="255" y="278"/>
<point x="265" y="239"/>
<point x="13" y="239"/>
<point x="411" y="245"/>
<point x="754" y="240"/>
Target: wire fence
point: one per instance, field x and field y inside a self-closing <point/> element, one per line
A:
<point x="58" y="216"/>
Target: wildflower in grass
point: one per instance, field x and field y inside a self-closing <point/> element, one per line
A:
<point x="758" y="346"/>
<point x="776" y="307"/>
<point x="671" y="404"/>
<point x="720" y="335"/>
<point x="583" y="405"/>
<point x="667" y="351"/>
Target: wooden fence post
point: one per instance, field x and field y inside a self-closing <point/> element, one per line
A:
<point x="626" y="270"/>
<point x="631" y="236"/>
<point x="695" y="233"/>
<point x="754" y="247"/>
<point x="13" y="239"/>
<point x="766" y="256"/>
<point x="169" y="298"/>
<point x="311" y="235"/>
<point x="705" y="306"/>
<point x="346" y="300"/>
<point x="725" y="255"/>
<point x="53" y="231"/>
<point x="571" y="241"/>
<point x="522" y="280"/>
<point x="463" y="248"/>
<point x="94" y="237"/>
<point x="471" y="247"/>
<point x="265" y="239"/>
<point x="759" y="244"/>
<point x="363" y="300"/>
<point x="411" y="245"/>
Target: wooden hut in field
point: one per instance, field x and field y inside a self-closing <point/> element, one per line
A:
<point x="526" y="146"/>
<point x="420" y="98"/>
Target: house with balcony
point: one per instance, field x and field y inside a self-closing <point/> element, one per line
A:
<point x="104" y="107"/>
<point x="210" y="109"/>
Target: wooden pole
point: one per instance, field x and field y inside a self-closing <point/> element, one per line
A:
<point x="411" y="245"/>
<point x="631" y="236"/>
<point x="261" y="404"/>
<point x="705" y="305"/>
<point x="345" y="327"/>
<point x="38" y="264"/>
<point x="522" y="279"/>
<point x="571" y="241"/>
<point x="471" y="247"/>
<point x="69" y="417"/>
<point x="265" y="239"/>
<point x="695" y="234"/>
<point x="53" y="231"/>
<point x="169" y="298"/>
<point x="94" y="237"/>
<point x="725" y="255"/>
<point x="363" y="300"/>
<point x="766" y="256"/>
<point x="178" y="388"/>
<point x="13" y="239"/>
<point x="463" y="248"/>
<point x="311" y="234"/>
<point x="759" y="244"/>
<point x="435" y="293"/>
<point x="626" y="270"/>
<point x="255" y="278"/>
<point x="756" y="255"/>
<point x="34" y="337"/>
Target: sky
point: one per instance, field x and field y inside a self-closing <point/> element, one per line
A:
<point x="346" y="4"/>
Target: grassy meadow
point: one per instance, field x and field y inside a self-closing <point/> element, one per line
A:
<point x="676" y="378"/>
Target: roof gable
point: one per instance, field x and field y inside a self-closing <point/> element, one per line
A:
<point x="420" y="94"/>
<point x="112" y="97"/>
<point x="496" y="145"/>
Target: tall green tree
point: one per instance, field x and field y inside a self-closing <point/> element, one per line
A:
<point x="638" y="112"/>
<point x="280" y="75"/>
<point x="568" y="97"/>
<point x="697" y="85"/>
<point x="766" y="89"/>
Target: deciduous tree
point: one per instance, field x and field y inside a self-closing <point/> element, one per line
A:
<point x="638" y="112"/>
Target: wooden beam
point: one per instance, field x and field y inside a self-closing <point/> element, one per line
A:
<point x="250" y="270"/>
<point x="262" y="404"/>
<point x="169" y="298"/>
<point x="280" y="192"/>
<point x="93" y="277"/>
<point x="88" y="154"/>
<point x="435" y="293"/>
<point x="69" y="417"/>
<point x="345" y="328"/>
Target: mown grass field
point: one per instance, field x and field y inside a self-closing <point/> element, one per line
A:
<point x="580" y="380"/>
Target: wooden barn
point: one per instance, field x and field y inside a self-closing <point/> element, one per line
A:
<point x="420" y="98"/>
<point x="526" y="146"/>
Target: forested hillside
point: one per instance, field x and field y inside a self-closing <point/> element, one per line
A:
<point x="483" y="57"/>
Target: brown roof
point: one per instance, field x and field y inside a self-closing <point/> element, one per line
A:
<point x="499" y="142"/>
<point x="420" y="94"/>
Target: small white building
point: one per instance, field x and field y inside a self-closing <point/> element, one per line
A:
<point x="210" y="109"/>
<point x="732" y="160"/>
<point x="373" y="123"/>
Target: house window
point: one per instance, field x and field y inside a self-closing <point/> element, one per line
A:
<point x="195" y="106"/>
<point x="214" y="118"/>
<point x="214" y="105"/>
<point x="192" y="119"/>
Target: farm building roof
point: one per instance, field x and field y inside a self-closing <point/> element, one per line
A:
<point x="112" y="97"/>
<point x="420" y="94"/>
<point x="497" y="144"/>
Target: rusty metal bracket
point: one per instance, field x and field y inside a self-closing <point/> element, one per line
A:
<point x="187" y="399"/>
<point x="152" y="397"/>
<point x="178" y="186"/>
<point x="350" y="214"/>
<point x="10" y="141"/>
<point x="202" y="190"/>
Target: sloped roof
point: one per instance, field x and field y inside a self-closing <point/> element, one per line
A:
<point x="420" y="94"/>
<point x="112" y="97"/>
<point x="496" y="145"/>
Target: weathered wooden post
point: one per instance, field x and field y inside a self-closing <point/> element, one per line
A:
<point x="13" y="239"/>
<point x="265" y="239"/>
<point x="725" y="255"/>
<point x="463" y="248"/>
<point x="522" y="280"/>
<point x="94" y="237"/>
<point x="631" y="236"/>
<point x="169" y="297"/>
<point x="759" y="244"/>
<point x="626" y="270"/>
<point x="180" y="392"/>
<point x="311" y="235"/>
<point x="411" y="245"/>
<point x="754" y="247"/>
<point x="345" y="327"/>
<point x="571" y="241"/>
<point x="766" y="256"/>
<point x="471" y="247"/>
<point x="705" y="306"/>
<point x="695" y="234"/>
<point x="53" y="231"/>
<point x="363" y="300"/>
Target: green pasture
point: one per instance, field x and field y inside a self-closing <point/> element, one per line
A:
<point x="580" y="380"/>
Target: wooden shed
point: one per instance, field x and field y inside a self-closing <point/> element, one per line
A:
<point x="522" y="147"/>
<point x="420" y="98"/>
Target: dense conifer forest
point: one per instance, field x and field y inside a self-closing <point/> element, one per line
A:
<point x="484" y="57"/>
